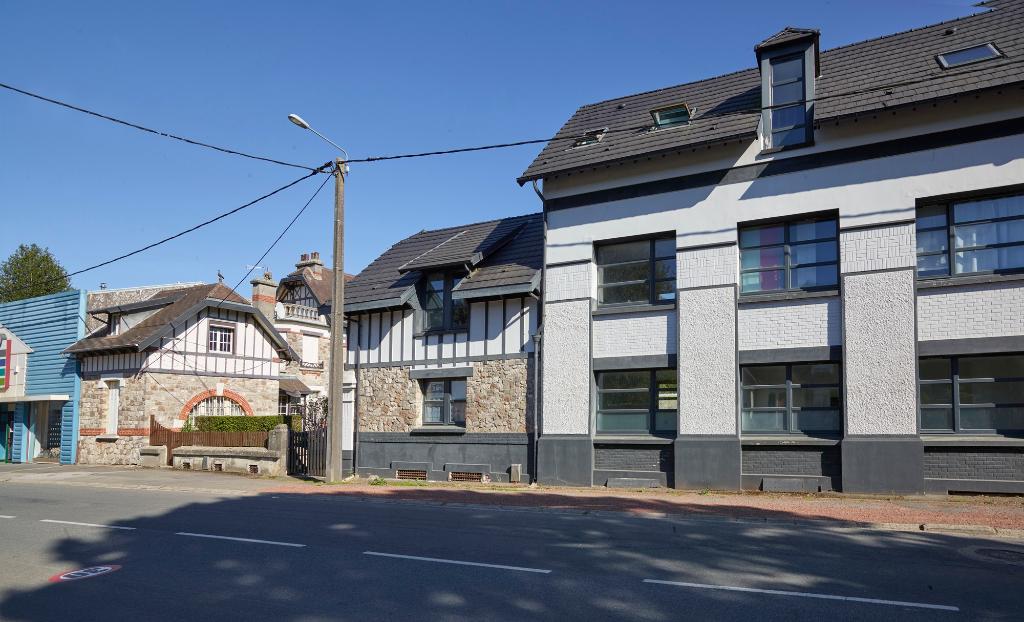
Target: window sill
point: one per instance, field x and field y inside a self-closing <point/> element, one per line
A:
<point x="970" y="279"/>
<point x="639" y="308"/>
<point x="639" y="439"/>
<point x="107" y="438"/>
<point x="956" y="440"/>
<point x="438" y="429"/>
<point x="788" y="295"/>
<point x="440" y="332"/>
<point x="789" y="439"/>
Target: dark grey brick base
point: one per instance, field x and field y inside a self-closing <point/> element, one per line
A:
<point x="792" y="461"/>
<point x="379" y="452"/>
<point x="995" y="463"/>
<point x="633" y="458"/>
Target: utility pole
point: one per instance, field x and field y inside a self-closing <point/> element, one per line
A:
<point x="336" y="431"/>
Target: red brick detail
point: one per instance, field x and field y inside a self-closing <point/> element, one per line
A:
<point x="91" y="431"/>
<point x="228" y="393"/>
<point x="263" y="298"/>
<point x="120" y="431"/>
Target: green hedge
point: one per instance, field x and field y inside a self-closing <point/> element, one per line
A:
<point x="244" y="424"/>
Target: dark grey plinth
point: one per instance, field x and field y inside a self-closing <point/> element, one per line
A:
<point x="708" y="462"/>
<point x="382" y="453"/>
<point x="566" y="460"/>
<point x="883" y="464"/>
<point x="346" y="463"/>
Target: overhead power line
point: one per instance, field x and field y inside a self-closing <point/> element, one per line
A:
<point x="151" y="130"/>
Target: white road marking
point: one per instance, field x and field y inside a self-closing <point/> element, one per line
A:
<point x="855" y="599"/>
<point x="5" y="516"/>
<point x="252" y="540"/>
<point x="68" y="522"/>
<point x="437" y="560"/>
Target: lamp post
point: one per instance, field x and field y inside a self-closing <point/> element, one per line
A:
<point x="336" y="430"/>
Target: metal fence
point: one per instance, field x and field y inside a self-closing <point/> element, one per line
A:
<point x="172" y="439"/>
<point x="307" y="453"/>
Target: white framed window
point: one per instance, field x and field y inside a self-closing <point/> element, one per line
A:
<point x="222" y="339"/>
<point x="310" y="349"/>
<point x="113" y="405"/>
<point x="217" y="406"/>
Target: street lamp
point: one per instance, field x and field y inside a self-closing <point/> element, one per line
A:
<point x="336" y="430"/>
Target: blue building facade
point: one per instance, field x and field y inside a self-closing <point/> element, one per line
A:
<point x="39" y="385"/>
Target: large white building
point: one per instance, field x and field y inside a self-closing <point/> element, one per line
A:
<point x="803" y="275"/>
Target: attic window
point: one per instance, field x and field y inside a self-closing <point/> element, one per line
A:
<point x="590" y="138"/>
<point x="672" y="115"/>
<point x="966" y="56"/>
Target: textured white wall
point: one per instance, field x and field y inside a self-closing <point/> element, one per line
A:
<point x="566" y="356"/>
<point x="807" y="323"/>
<point x="635" y="334"/>
<point x="881" y="361"/>
<point x="881" y="248"/>
<point x="971" y="311"/>
<point x="568" y="282"/>
<point x="707" y="361"/>
<point x="703" y="267"/>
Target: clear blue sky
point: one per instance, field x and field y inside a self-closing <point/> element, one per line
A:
<point x="377" y="77"/>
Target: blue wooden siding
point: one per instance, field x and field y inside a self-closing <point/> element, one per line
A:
<point x="48" y="325"/>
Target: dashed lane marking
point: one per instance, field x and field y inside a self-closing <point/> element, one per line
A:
<point x="855" y="599"/>
<point x="457" y="562"/>
<point x="234" y="539"/>
<point x="69" y="522"/>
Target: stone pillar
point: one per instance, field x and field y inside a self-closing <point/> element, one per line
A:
<point x="881" y="449"/>
<point x="565" y="448"/>
<point x="264" y="294"/>
<point x="707" y="448"/>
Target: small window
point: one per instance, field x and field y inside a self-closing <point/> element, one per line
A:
<point x="673" y="115"/>
<point x="113" y="405"/>
<point x="591" y="137"/>
<point x="787" y="114"/>
<point x="798" y="255"/>
<point x="440" y="310"/>
<point x="972" y="394"/>
<point x="444" y="402"/>
<point x="802" y="398"/>
<point x="216" y="406"/>
<point x="222" y="339"/>
<point x="966" y="56"/>
<point x="973" y="237"/>
<point x="639" y="272"/>
<point x="643" y="401"/>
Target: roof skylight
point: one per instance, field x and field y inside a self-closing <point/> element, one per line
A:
<point x="671" y="115"/>
<point x="966" y="56"/>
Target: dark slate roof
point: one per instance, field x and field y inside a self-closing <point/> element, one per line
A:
<point x="178" y="304"/>
<point x="514" y="264"/>
<point x="322" y="286"/>
<point x="895" y="70"/>
<point x="787" y="35"/>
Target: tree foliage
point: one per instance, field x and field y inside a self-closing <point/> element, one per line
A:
<point x="31" y="271"/>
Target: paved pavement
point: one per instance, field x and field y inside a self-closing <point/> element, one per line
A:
<point x="230" y="550"/>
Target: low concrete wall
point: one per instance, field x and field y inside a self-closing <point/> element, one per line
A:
<point x="153" y="457"/>
<point x="246" y="460"/>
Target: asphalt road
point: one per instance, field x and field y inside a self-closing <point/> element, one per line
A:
<point x="188" y="556"/>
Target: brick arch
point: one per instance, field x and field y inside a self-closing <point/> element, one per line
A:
<point x="228" y="393"/>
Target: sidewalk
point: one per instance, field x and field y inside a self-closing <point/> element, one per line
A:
<point x="974" y="514"/>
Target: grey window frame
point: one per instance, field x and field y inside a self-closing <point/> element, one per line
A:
<point x="787" y="261"/>
<point x="652" y="409"/>
<point x="589" y="137"/>
<point x="659" y="122"/>
<point x="954" y="381"/>
<point x="772" y="106"/>
<point x="448" y="304"/>
<point x="950" y="228"/>
<point x="945" y="64"/>
<point x="652" y="259"/>
<point x="229" y="330"/>
<point x="446" y="402"/>
<point x="790" y="411"/>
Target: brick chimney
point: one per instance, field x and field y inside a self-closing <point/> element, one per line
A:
<point x="264" y="294"/>
<point x="311" y="261"/>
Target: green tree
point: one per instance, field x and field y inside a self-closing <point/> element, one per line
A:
<point x="31" y="271"/>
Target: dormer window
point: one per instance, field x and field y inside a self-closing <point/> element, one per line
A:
<point x="788" y="104"/>
<point x="440" y="310"/>
<point x="591" y="137"/>
<point x="672" y="115"/>
<point x="967" y="56"/>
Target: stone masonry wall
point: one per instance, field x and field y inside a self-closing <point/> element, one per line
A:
<point x="499" y="398"/>
<point x="157" y="394"/>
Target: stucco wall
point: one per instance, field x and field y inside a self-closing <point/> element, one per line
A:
<point x="635" y="334"/>
<point x="707" y="361"/>
<point x="881" y="362"/>
<point x="791" y="324"/>
<point x="971" y="311"/>
<point x="566" y="381"/>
